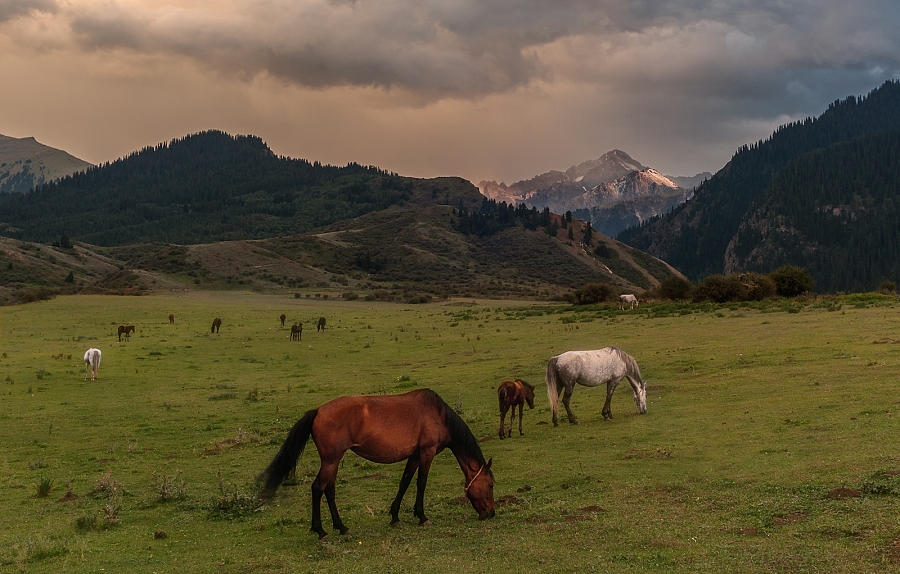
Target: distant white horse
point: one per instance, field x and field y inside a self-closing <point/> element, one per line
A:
<point x="629" y="299"/>
<point x="92" y="364"/>
<point x="592" y="369"/>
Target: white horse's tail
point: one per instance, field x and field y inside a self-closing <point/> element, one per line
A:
<point x="552" y="385"/>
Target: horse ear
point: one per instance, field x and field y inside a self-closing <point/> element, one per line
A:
<point x="488" y="465"/>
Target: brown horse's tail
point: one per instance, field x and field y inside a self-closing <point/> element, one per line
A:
<point x="501" y="396"/>
<point x="552" y="386"/>
<point x="285" y="461"/>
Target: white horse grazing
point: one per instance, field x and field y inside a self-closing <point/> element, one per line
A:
<point x="592" y="369"/>
<point x="92" y="363"/>
<point x="629" y="299"/>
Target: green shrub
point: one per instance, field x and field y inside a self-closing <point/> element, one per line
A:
<point x="675" y="288"/>
<point x="593" y="293"/>
<point x="791" y="281"/>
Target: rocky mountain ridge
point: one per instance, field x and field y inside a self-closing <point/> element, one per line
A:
<point x="614" y="191"/>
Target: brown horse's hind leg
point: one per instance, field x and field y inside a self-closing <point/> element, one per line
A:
<point x="332" y="506"/>
<point x="521" y="432"/>
<point x="324" y="484"/>
<point x="412" y="465"/>
<point x="503" y="421"/>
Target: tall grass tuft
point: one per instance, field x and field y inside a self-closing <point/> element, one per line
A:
<point x="44" y="487"/>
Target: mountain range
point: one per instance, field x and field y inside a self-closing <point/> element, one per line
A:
<point x="26" y="164"/>
<point x="613" y="192"/>
<point x="217" y="211"/>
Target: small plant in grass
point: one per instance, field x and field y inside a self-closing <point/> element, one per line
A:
<point x="88" y="521"/>
<point x="232" y="501"/>
<point x="44" y="487"/>
<point x="106" y="486"/>
<point x="40" y="374"/>
<point x="253" y="395"/>
<point x="169" y="487"/>
<point x="112" y="507"/>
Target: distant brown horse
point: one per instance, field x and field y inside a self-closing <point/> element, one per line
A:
<point x="320" y="326"/>
<point x="296" y="331"/>
<point x="171" y="319"/>
<point x="414" y="426"/>
<point x="126" y="329"/>
<point x="512" y="394"/>
<point x="283" y="317"/>
<point x="215" y="326"/>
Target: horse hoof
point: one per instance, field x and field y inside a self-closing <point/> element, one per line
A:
<point x="396" y="523"/>
<point x="323" y="537"/>
<point x="425" y="523"/>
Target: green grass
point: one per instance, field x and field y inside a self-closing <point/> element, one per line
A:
<point x="769" y="444"/>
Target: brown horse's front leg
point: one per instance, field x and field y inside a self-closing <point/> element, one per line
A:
<point x="411" y="466"/>
<point x="421" y="481"/>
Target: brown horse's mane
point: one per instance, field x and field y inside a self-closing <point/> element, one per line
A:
<point x="461" y="436"/>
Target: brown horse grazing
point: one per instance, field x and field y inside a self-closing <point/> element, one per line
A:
<point x="512" y="394"/>
<point x="414" y="426"/>
<point x="320" y="326"/>
<point x="296" y="331"/>
<point x="283" y="317"/>
<point x="215" y="326"/>
<point x="126" y="329"/>
<point x="171" y="319"/>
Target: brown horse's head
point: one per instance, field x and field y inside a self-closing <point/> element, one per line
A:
<point x="480" y="491"/>
<point x="529" y="393"/>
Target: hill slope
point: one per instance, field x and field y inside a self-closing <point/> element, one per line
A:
<point x="205" y="187"/>
<point x="695" y="237"/>
<point x="834" y="211"/>
<point x="26" y="164"/>
<point x="407" y="253"/>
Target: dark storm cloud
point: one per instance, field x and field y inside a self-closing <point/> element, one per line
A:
<point x="469" y="48"/>
<point x="687" y="81"/>
<point x="10" y="9"/>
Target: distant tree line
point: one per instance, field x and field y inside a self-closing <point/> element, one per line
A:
<point x="494" y="217"/>
<point x="787" y="281"/>
<point x="205" y="187"/>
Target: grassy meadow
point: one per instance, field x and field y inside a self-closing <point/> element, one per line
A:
<point x="770" y="442"/>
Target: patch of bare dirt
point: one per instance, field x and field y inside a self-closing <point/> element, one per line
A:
<point x="841" y="493"/>
<point x="68" y="497"/>
<point x="789" y="518"/>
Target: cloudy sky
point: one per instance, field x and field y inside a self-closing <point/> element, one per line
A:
<point x="483" y="89"/>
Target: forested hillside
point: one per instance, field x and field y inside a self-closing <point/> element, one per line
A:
<point x="695" y="237"/>
<point x="835" y="212"/>
<point x="205" y="187"/>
